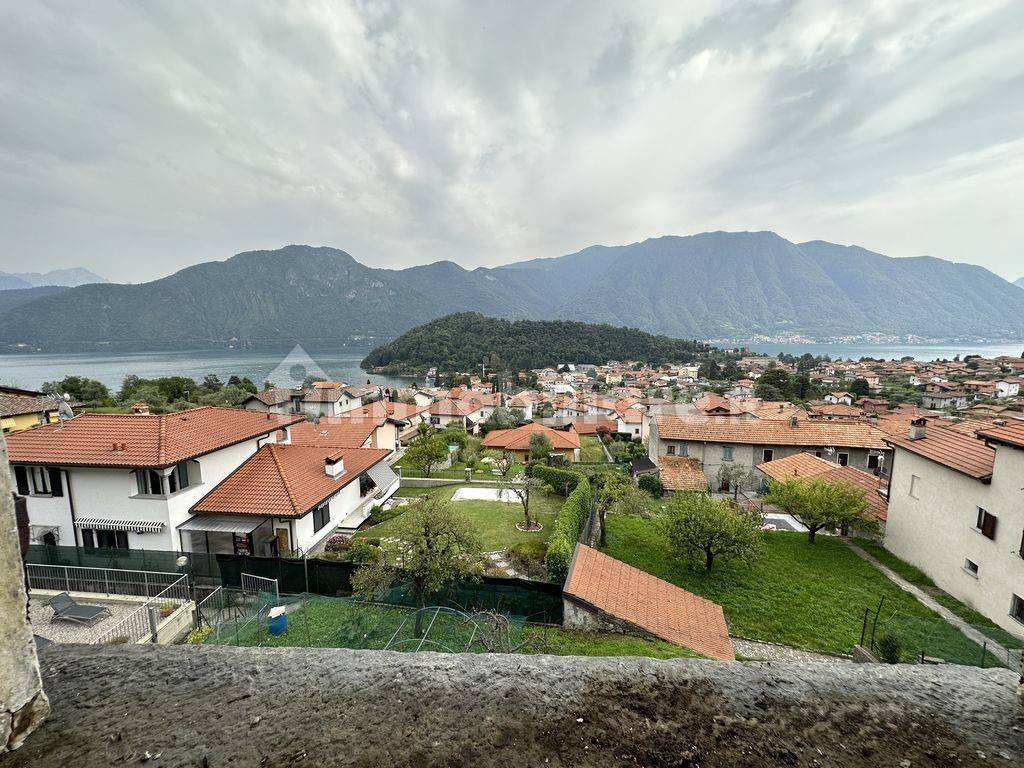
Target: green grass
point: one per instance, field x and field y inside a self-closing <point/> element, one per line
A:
<point x="591" y="450"/>
<point x="568" y="642"/>
<point x="495" y="521"/>
<point x="342" y="623"/>
<point x="810" y="596"/>
<point x="914" y="575"/>
<point x="918" y="578"/>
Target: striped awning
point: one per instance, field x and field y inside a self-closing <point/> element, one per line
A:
<point x="108" y="524"/>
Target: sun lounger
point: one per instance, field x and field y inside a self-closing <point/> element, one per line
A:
<point x="66" y="609"/>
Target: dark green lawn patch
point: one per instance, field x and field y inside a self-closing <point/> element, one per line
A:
<point x="591" y="450"/>
<point x="810" y="596"/>
<point x="911" y="573"/>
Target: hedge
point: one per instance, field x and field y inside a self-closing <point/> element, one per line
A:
<point x="559" y="479"/>
<point x="569" y="524"/>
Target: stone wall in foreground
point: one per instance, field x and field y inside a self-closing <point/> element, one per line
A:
<point x="23" y="704"/>
<point x="215" y="706"/>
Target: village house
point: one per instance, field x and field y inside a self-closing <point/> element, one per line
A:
<point x="807" y="465"/>
<point x="751" y="442"/>
<point x="24" y="408"/>
<point x="206" y="479"/>
<point x="843" y="398"/>
<point x="130" y="480"/>
<point x="955" y="512"/>
<point x="516" y="442"/>
<point x="459" y="412"/>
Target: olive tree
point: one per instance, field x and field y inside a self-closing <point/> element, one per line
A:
<point x="426" y="452"/>
<point x="701" y="527"/>
<point x="436" y="546"/>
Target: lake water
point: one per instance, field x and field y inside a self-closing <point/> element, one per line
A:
<point x="289" y="367"/>
<point x="927" y="352"/>
<point x="285" y="367"/>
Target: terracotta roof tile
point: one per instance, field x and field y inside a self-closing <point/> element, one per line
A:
<point x="682" y="473"/>
<point x="518" y="439"/>
<point x="285" y="481"/>
<point x="333" y="433"/>
<point x="965" y="454"/>
<point x="148" y="440"/>
<point x="768" y="432"/>
<point x="806" y="465"/>
<point x="645" y="601"/>
<point x="1011" y="433"/>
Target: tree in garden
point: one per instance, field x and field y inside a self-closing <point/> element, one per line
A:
<point x="524" y="488"/>
<point x="735" y="476"/>
<point x="426" y="452"/>
<point x="500" y="418"/>
<point x="820" y="503"/>
<point x="436" y="547"/>
<point x="614" y="492"/>
<point x="859" y="388"/>
<point x="227" y="396"/>
<point x="774" y="384"/>
<point x="80" y="389"/>
<point x="499" y="460"/>
<point x="700" y="527"/>
<point x="540" y="446"/>
<point x="211" y="383"/>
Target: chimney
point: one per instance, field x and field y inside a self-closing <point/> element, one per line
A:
<point x="141" y="408"/>
<point x="917" y="429"/>
<point x="793" y="422"/>
<point x="999" y="422"/>
<point x="334" y="466"/>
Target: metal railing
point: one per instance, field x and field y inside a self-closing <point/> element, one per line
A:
<point x="105" y="581"/>
<point x="143" y="621"/>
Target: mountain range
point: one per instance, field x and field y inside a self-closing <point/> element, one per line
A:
<point x="12" y="281"/>
<point x="725" y="285"/>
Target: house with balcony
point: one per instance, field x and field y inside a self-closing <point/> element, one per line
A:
<point x="128" y="481"/>
<point x="956" y="511"/>
<point x="207" y="479"/>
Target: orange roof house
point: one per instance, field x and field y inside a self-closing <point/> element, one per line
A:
<point x="517" y="441"/>
<point x="286" y="480"/>
<point x="603" y="587"/>
<point x="795" y="432"/>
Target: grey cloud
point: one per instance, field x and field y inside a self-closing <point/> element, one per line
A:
<point x="138" y="138"/>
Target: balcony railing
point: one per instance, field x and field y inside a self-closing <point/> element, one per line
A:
<point x="105" y="581"/>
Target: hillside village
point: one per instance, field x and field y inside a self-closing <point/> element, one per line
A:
<point x="326" y="471"/>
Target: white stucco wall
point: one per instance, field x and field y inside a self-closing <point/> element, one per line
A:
<point x="936" y="531"/>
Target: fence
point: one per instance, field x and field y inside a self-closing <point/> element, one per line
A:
<point x="108" y="581"/>
<point x="142" y="622"/>
<point x="324" y="622"/>
<point x="201" y="565"/>
<point x="932" y="639"/>
<point x="332" y="578"/>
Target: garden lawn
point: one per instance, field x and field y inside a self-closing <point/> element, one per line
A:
<point x="495" y="521"/>
<point x="344" y="623"/>
<point x="810" y="596"/>
<point x="591" y="450"/>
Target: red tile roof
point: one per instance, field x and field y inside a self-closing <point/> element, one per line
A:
<point x="806" y="465"/>
<point x="518" y="439"/>
<point x="453" y="408"/>
<point x="590" y="425"/>
<point x="682" y="473"/>
<point x="768" y="432"/>
<point x="661" y="609"/>
<point x="335" y="433"/>
<point x="950" y="448"/>
<point x="285" y="481"/>
<point x="141" y="440"/>
<point x="276" y="395"/>
<point x="1011" y="433"/>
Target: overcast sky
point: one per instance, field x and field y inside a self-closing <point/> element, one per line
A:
<point x="138" y="138"/>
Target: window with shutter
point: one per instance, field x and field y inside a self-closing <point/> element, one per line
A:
<point x="56" y="484"/>
<point x="21" y="480"/>
<point x="987" y="523"/>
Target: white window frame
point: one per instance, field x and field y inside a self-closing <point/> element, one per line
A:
<point x="915" y="491"/>
<point x="971" y="568"/>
